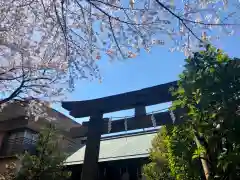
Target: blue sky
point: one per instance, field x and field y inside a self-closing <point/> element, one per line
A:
<point x="159" y="66"/>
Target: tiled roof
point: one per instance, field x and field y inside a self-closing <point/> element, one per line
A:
<point x="118" y="148"/>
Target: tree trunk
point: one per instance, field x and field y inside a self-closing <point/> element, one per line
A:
<point x="203" y="160"/>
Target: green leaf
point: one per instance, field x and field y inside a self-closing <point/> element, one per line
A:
<point x="212" y="70"/>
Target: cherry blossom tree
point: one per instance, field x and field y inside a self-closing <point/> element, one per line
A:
<point x="46" y="45"/>
<point x="33" y="65"/>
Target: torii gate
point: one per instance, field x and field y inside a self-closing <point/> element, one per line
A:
<point x="97" y="125"/>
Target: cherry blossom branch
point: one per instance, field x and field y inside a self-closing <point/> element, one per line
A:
<point x="26" y="83"/>
<point x="38" y="78"/>
<point x="136" y="29"/>
<point x="9" y="79"/>
<point x="84" y="20"/>
<point x="117" y="7"/>
<point x="179" y="18"/>
<point x="35" y="85"/>
<point x="13" y="95"/>
<point x="170" y="11"/>
<point x="9" y="70"/>
<point x="63" y="28"/>
<point x="17" y="91"/>
<point x="182" y="20"/>
<point x="191" y="21"/>
<point x="120" y="20"/>
<point x="114" y="37"/>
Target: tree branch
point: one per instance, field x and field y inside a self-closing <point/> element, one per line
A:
<point x="179" y="18"/>
<point x="114" y="37"/>
<point x="10" y="79"/>
<point x="14" y="93"/>
<point x="118" y="19"/>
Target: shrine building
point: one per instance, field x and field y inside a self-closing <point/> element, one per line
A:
<point x="118" y="155"/>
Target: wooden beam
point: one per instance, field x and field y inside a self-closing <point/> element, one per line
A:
<point x="134" y="123"/>
<point x="144" y="97"/>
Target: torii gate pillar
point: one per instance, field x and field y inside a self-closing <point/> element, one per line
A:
<point x="90" y="165"/>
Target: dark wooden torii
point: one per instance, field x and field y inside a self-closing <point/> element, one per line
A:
<point x="97" y="125"/>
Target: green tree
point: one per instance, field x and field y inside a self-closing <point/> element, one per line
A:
<point x="171" y="155"/>
<point x="209" y="93"/>
<point x="209" y="90"/>
<point x="158" y="168"/>
<point x="48" y="161"/>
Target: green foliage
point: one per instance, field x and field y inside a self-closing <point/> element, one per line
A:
<point x="47" y="164"/>
<point x="209" y="93"/>
<point x="171" y="156"/>
<point x="180" y="147"/>
<point x="158" y="168"/>
<point x="209" y="89"/>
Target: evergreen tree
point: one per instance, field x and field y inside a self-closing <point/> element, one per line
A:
<point x="209" y="92"/>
